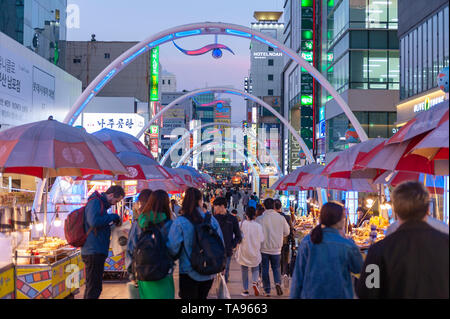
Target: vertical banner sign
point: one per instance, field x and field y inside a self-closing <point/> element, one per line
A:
<point x="154" y="74"/>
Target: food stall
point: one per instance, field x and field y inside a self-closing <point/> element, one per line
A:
<point x="48" y="269"/>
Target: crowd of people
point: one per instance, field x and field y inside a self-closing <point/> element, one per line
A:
<point x="411" y="262"/>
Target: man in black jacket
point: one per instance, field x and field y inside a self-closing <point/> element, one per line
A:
<point x="230" y="230"/>
<point x="413" y="262"/>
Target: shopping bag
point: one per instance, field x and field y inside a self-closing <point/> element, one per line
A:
<point x="222" y="289"/>
<point x="119" y="238"/>
<point x="133" y="291"/>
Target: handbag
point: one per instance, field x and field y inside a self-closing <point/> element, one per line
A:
<point x="222" y="289"/>
<point x="119" y="238"/>
<point x="133" y="291"/>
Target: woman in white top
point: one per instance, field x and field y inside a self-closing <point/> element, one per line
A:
<point x="249" y="251"/>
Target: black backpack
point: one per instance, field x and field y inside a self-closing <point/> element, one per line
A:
<point x="208" y="251"/>
<point x="151" y="260"/>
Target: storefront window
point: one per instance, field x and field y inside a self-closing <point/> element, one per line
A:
<point x="394" y="70"/>
<point x="414" y="54"/>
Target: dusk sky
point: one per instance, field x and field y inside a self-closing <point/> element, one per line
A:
<point x="135" y="20"/>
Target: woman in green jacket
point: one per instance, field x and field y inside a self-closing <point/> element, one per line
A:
<point x="155" y="211"/>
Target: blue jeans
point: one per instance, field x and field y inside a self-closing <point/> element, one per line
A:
<point x="275" y="263"/>
<point x="255" y="275"/>
<point x="227" y="269"/>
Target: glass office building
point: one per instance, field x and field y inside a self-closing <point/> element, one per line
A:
<point x="40" y="25"/>
<point x="360" y="57"/>
<point x="424" y="51"/>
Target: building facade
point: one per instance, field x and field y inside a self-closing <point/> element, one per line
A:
<point x="264" y="81"/>
<point x="424" y="51"/>
<point x="39" y="25"/>
<point x="354" y="44"/>
<point x="86" y="59"/>
<point x="175" y="122"/>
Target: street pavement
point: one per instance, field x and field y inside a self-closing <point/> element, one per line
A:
<point x="117" y="289"/>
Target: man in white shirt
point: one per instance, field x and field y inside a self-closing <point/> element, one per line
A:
<point x="275" y="228"/>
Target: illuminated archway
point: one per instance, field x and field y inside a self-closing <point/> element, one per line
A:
<point x="188" y="134"/>
<point x="195" y="29"/>
<point x="257" y="100"/>
<point x="225" y="141"/>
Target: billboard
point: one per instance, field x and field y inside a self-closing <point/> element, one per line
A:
<point x="32" y="88"/>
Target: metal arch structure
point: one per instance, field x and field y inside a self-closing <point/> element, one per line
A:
<point x="185" y="136"/>
<point x="195" y="29"/>
<point x="255" y="173"/>
<point x="201" y="144"/>
<point x="257" y="100"/>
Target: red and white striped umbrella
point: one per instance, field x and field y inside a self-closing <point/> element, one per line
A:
<point x="435" y="145"/>
<point x="281" y="185"/>
<point x="50" y="148"/>
<point x="167" y="185"/>
<point x="343" y="165"/>
<point x="119" y="142"/>
<point x="397" y="157"/>
<point x="138" y="166"/>
<point x="316" y="179"/>
<point x="421" y="123"/>
<point x="184" y="177"/>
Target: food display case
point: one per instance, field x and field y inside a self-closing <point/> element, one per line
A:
<point x="48" y="269"/>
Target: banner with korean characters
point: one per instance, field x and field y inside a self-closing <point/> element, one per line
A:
<point x="27" y="93"/>
<point x="7" y="288"/>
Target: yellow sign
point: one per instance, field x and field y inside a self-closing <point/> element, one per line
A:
<point x="7" y="284"/>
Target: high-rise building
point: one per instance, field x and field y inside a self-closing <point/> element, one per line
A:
<point x="424" y="51"/>
<point x="354" y="44"/>
<point x="40" y="25"/>
<point x="264" y="81"/>
<point x="175" y="121"/>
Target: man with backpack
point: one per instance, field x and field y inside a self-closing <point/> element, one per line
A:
<point x="98" y="229"/>
<point x="230" y="230"/>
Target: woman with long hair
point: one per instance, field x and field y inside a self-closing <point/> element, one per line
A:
<point x="249" y="250"/>
<point x="326" y="259"/>
<point x="156" y="211"/>
<point x="192" y="284"/>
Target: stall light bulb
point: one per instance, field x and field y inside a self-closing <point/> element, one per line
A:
<point x="39" y="226"/>
<point x="388" y="206"/>
<point x="369" y="202"/>
<point x="57" y="222"/>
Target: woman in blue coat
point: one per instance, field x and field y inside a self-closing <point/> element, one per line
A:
<point x="192" y="284"/>
<point x="326" y="259"/>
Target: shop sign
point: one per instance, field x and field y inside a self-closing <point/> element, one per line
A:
<point x="427" y="103"/>
<point x="154" y="147"/>
<point x="264" y="55"/>
<point x="124" y="122"/>
<point x="154" y="131"/>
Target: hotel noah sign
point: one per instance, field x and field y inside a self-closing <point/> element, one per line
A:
<point x="407" y="110"/>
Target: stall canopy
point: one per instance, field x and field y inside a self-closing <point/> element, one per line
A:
<point x="50" y="148"/>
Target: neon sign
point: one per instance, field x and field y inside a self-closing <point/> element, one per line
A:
<point x="154" y="74"/>
<point x="216" y="49"/>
